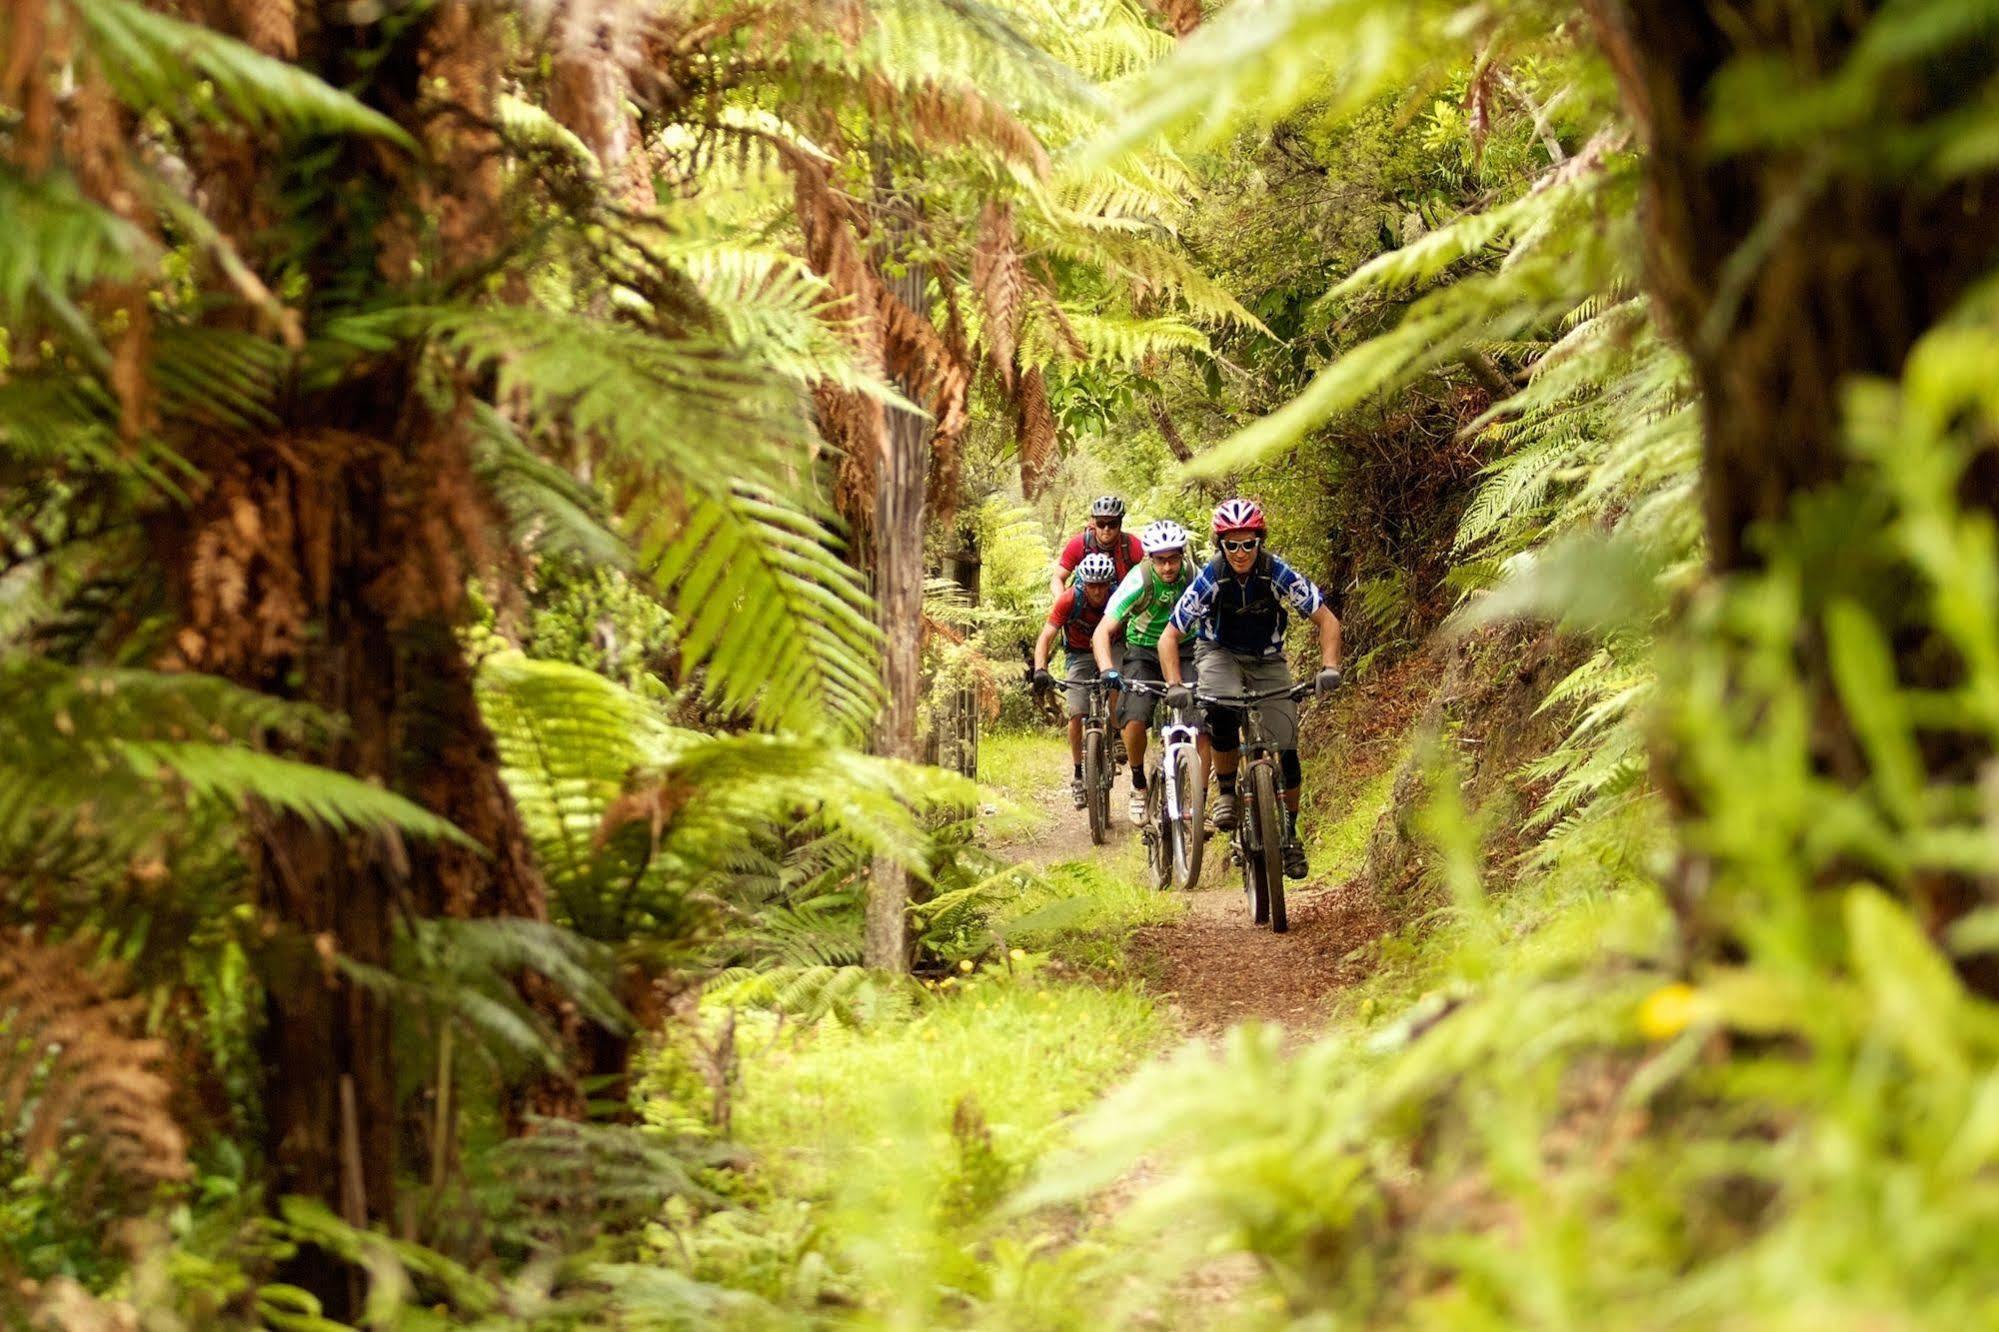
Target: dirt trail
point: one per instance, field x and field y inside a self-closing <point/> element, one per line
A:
<point x="1219" y="969"/>
<point x="1213" y="964"/>
<point x="1063" y="831"/>
<point x="1216" y="969"/>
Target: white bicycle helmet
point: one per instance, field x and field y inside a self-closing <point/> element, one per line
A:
<point x="1163" y="535"/>
<point x="1107" y="506"/>
<point x="1097" y="569"/>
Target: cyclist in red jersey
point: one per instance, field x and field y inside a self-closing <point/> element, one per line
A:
<point x="1076" y="614"/>
<point x="1104" y="534"/>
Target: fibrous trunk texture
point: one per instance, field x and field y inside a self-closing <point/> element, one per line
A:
<point x="1787" y="272"/>
<point x="898" y="549"/>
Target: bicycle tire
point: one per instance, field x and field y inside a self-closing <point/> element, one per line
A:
<point x="1263" y="782"/>
<point x="1094" y="798"/>
<point x="1186" y="838"/>
<point x="1159" y="846"/>
<point x="1253" y="885"/>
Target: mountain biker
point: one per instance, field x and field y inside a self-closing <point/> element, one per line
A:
<point x="1140" y="606"/>
<point x="1236" y="606"/>
<point x="1077" y="612"/>
<point x="1103" y="534"/>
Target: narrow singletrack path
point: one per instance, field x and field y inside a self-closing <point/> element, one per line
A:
<point x="1216" y="967"/>
<point x="1220" y="969"/>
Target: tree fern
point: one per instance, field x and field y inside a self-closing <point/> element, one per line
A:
<point x="160" y="63"/>
<point x="632" y="818"/>
<point x="59" y="238"/>
<point x="76" y="1080"/>
<point x="779" y="624"/>
<point x="71" y="738"/>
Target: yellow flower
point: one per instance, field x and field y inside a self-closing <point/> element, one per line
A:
<point x="965" y="964"/>
<point x="1669" y="1010"/>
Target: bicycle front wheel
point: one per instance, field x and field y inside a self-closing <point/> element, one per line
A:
<point x="1185" y="837"/>
<point x="1158" y="833"/>
<point x="1096" y="786"/>
<point x="1254" y="885"/>
<point x="1270" y="848"/>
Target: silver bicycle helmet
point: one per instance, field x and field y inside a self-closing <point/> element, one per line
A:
<point x="1107" y="506"/>
<point x="1162" y="536"/>
<point x="1096" y="569"/>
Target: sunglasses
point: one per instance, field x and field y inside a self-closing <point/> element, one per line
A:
<point x="1107" y="522"/>
<point x="1237" y="546"/>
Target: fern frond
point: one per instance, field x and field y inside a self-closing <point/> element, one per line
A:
<point x="58" y="237"/>
<point x="545" y="506"/>
<point x="71" y="1065"/>
<point x="853" y="996"/>
<point x="1129" y="341"/>
<point x="86" y="737"/>
<point x="155" y="62"/>
<point x="778" y="623"/>
<point x="655" y="406"/>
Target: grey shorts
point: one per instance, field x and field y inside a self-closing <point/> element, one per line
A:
<point x="1223" y="672"/>
<point x="1142" y="663"/>
<point x="1082" y="669"/>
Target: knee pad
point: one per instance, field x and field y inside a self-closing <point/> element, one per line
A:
<point x="1224" y="729"/>
<point x="1293" y="770"/>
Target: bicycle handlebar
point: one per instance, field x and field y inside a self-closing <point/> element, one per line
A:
<point x="1296" y="692"/>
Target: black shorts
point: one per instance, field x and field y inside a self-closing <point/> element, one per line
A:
<point x="1142" y="663"/>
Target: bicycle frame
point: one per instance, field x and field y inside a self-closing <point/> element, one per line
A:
<point x="1176" y="735"/>
<point x="1255" y="744"/>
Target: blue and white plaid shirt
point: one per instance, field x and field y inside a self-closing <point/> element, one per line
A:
<point x="1245" y="615"/>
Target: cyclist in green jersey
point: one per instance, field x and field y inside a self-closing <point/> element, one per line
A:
<point x="1142" y="605"/>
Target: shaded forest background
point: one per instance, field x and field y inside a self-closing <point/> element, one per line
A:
<point x="480" y="485"/>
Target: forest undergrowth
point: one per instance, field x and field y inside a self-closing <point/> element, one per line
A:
<point x="512" y="517"/>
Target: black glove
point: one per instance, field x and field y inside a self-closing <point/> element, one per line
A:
<point x="1328" y="681"/>
<point x="1179" y="696"/>
<point x="1042" y="679"/>
<point x="1113" y="680"/>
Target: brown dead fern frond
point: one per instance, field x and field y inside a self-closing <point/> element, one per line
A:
<point x="1179" y="17"/>
<point x="72" y="1071"/>
<point x="1035" y="435"/>
<point x="937" y="115"/>
<point x="999" y="277"/>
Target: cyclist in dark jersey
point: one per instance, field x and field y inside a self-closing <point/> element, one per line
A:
<point x="1076" y="614"/>
<point x="1236" y="606"/>
<point x="1141" y="606"/>
<point x="1103" y="534"/>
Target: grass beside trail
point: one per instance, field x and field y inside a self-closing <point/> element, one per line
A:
<point x="1017" y="769"/>
<point x="902" y="1140"/>
<point x="1338" y="846"/>
<point x="879" y="1156"/>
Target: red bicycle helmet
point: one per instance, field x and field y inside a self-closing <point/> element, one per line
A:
<point x="1238" y="515"/>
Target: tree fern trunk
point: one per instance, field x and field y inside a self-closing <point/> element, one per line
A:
<point x="898" y="569"/>
<point x="1786" y="273"/>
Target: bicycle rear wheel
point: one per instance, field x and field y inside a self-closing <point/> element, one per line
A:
<point x="1185" y="837"/>
<point x="1095" y="787"/>
<point x="1270" y="847"/>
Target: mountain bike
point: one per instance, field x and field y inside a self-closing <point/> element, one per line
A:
<point x="1100" y="762"/>
<point x="1174" y="797"/>
<point x="1257" y="843"/>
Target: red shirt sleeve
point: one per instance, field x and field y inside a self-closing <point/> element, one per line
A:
<point x="1064" y="607"/>
<point x="1072" y="554"/>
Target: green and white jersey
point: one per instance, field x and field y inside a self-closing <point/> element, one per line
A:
<point x="1144" y="602"/>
